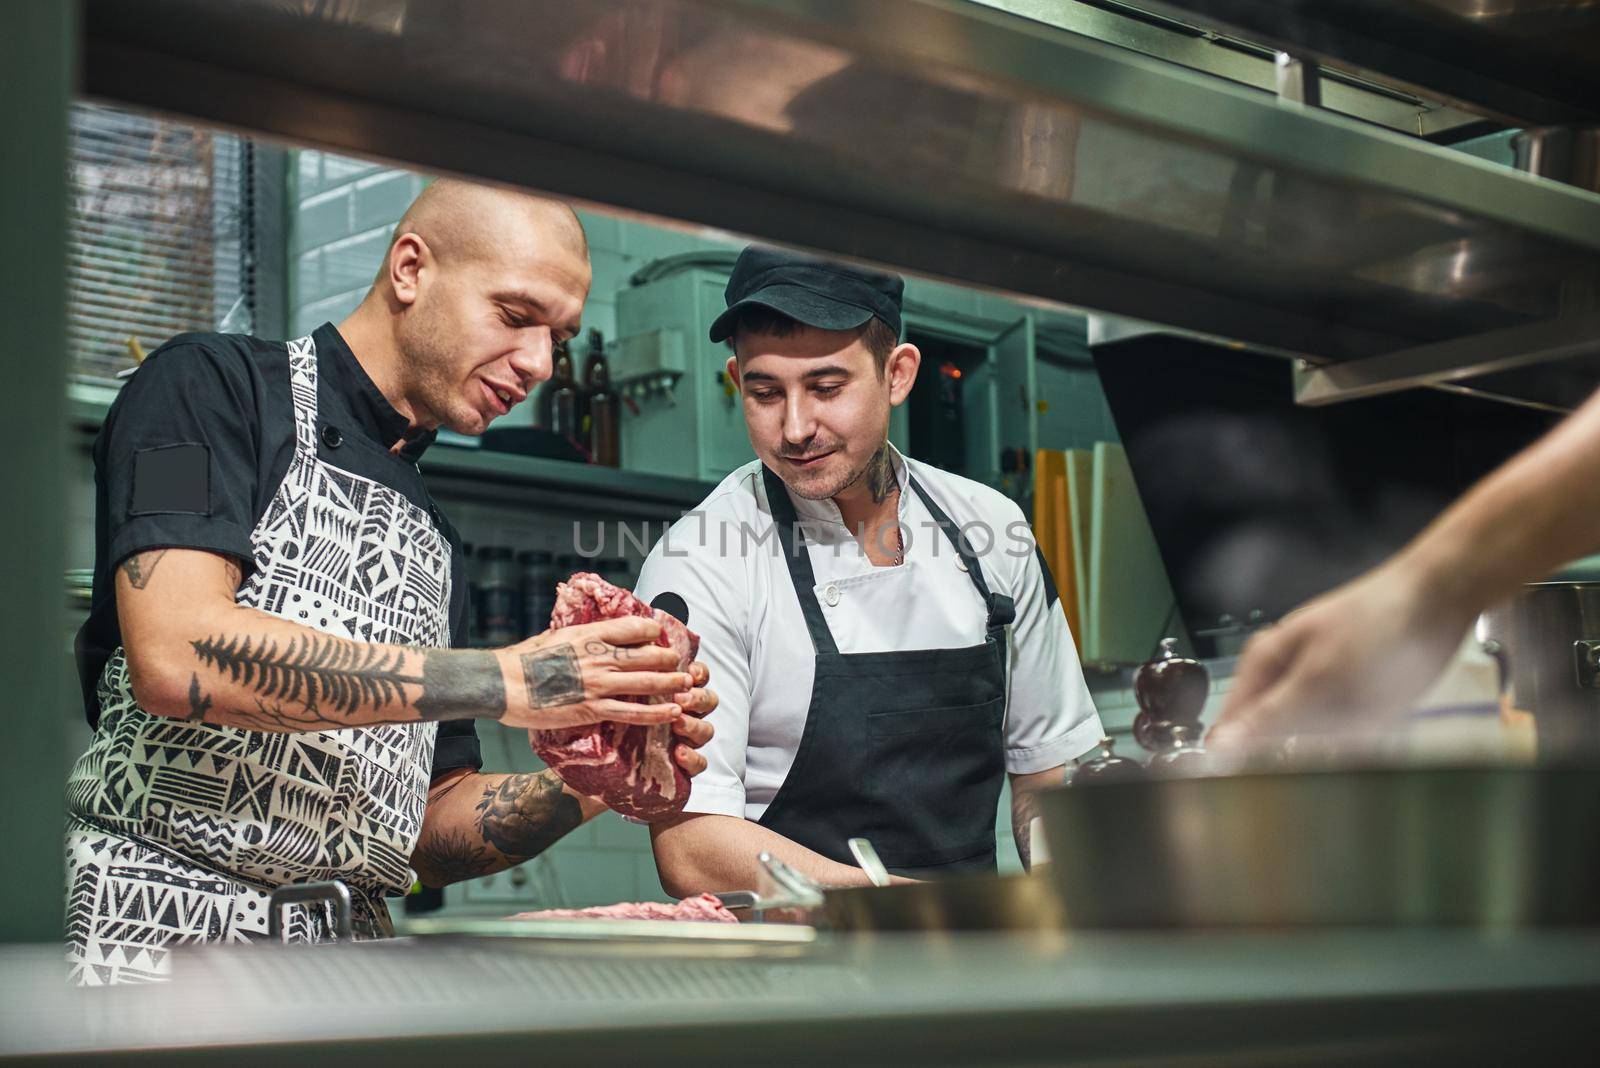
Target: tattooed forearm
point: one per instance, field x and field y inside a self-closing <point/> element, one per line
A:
<point x="553" y="677"/>
<point x="527" y="814"/>
<point x="317" y="681"/>
<point x="311" y="669"/>
<point x="1024" y="807"/>
<point x="140" y="566"/>
<point x="459" y="684"/>
<point x="444" y="857"/>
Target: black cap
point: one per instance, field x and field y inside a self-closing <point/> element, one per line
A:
<point x="820" y="293"/>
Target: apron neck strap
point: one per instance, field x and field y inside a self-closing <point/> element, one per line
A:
<point x="795" y="555"/>
<point x="303" y="392"/>
<point x="1002" y="609"/>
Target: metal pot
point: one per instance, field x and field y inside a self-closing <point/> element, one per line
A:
<point x="1479" y="847"/>
<point x="1550" y="638"/>
<point x="961" y="903"/>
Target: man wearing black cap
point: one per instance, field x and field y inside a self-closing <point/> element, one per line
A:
<point x="879" y="672"/>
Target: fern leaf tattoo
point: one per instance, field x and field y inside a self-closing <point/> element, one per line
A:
<point x="311" y="670"/>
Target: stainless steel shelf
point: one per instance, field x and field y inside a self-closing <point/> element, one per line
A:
<point x="942" y="137"/>
<point x="1527" y="62"/>
<point x="502" y="478"/>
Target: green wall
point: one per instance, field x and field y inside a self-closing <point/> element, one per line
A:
<point x="36" y="63"/>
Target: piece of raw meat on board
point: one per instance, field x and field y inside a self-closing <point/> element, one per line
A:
<point x="703" y="908"/>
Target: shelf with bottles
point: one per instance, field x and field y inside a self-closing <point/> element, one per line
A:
<point x="511" y="593"/>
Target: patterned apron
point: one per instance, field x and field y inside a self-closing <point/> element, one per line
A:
<point x="177" y="831"/>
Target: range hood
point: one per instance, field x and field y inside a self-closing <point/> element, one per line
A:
<point x="943" y="137"/>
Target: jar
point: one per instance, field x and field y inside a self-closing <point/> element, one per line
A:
<point x="499" y="597"/>
<point x="538" y="584"/>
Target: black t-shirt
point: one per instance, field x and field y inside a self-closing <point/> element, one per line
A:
<point x="230" y="394"/>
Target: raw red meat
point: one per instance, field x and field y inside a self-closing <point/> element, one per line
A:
<point x="703" y="908"/>
<point x="629" y="767"/>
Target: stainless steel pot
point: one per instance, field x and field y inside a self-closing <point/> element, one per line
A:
<point x="1484" y="847"/>
<point x="960" y="903"/>
<point x="1550" y="635"/>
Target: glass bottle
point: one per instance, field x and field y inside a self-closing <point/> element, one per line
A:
<point x="564" y="398"/>
<point x="605" y="431"/>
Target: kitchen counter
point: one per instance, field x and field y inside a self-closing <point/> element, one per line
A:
<point x="1326" y="997"/>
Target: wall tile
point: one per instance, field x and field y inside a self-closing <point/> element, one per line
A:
<point x="352" y="262"/>
<point x="308" y="172"/>
<point x="604" y="231"/>
<point x="337" y="170"/>
<point x="596" y="877"/>
<point x="381" y="199"/>
<point x="306" y="278"/>
<point x="651" y="242"/>
<point x="611" y="273"/>
<point x="600" y="315"/>
<point x="322" y="218"/>
<point x="614" y="832"/>
<point x="329" y="310"/>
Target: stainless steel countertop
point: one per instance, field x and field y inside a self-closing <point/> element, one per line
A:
<point x="1404" y="996"/>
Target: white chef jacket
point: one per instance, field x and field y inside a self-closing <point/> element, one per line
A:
<point x="724" y="560"/>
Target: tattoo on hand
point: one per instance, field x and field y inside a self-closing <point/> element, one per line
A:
<point x="553" y="677"/>
<point x="140" y="566"/>
<point x="449" y="857"/>
<point x="526" y="814"/>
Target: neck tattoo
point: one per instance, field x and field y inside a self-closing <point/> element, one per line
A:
<point x="880" y="476"/>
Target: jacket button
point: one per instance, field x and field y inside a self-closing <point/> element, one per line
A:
<point x="831" y="595"/>
<point x="331" y="437"/>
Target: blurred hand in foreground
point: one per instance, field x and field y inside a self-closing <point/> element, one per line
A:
<point x="1345" y="663"/>
<point x="1351" y="658"/>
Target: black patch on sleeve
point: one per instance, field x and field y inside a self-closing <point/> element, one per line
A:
<point x="172" y="478"/>
<point x="673" y="605"/>
<point x="1050" y="595"/>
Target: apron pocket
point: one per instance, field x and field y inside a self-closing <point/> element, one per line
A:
<point x="937" y="719"/>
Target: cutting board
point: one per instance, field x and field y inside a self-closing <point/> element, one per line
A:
<point x="1130" y="603"/>
<point x="1080" y="506"/>
<point x="1052" y="528"/>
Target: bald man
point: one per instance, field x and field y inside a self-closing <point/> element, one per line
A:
<point x="272" y="663"/>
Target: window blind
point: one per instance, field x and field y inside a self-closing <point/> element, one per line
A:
<point x="161" y="238"/>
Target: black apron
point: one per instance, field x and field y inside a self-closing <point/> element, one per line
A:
<point x="903" y="748"/>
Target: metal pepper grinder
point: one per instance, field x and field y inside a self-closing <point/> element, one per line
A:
<point x="1171" y="690"/>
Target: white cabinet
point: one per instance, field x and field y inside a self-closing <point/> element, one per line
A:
<point x="682" y="417"/>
